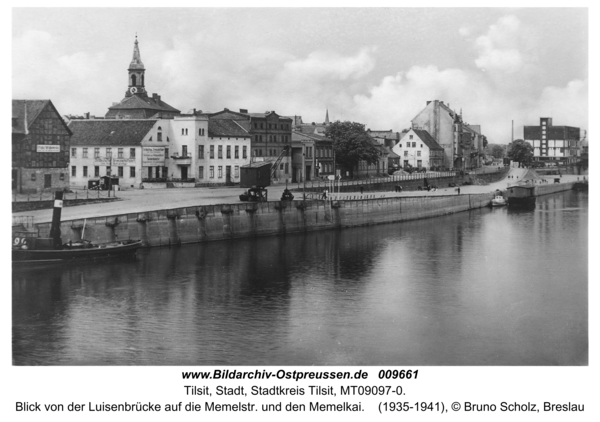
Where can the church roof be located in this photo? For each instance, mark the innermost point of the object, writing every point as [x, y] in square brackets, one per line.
[109, 132]
[143, 102]
[136, 61]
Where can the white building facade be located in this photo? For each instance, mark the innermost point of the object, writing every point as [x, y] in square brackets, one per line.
[418, 149]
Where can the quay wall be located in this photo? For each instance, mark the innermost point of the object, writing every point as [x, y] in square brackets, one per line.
[553, 188]
[230, 221]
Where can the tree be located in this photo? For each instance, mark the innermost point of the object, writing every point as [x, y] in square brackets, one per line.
[520, 151]
[485, 141]
[496, 150]
[352, 144]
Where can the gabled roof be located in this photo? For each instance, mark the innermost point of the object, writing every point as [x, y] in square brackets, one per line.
[136, 102]
[25, 112]
[109, 132]
[427, 139]
[226, 127]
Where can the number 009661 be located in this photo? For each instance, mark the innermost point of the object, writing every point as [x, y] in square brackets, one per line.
[395, 374]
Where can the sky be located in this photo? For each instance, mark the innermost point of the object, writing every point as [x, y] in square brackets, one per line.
[376, 66]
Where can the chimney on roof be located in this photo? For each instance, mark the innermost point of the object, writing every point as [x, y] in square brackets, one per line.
[428, 102]
[156, 97]
[225, 109]
[244, 110]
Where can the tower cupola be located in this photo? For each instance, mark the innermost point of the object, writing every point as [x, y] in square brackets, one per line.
[136, 73]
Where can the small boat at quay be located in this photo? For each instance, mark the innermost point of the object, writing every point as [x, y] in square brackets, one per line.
[498, 201]
[29, 249]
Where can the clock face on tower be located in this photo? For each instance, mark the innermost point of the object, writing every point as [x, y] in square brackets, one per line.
[133, 89]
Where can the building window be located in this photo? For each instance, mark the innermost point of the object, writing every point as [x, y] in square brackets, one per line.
[220, 151]
[244, 154]
[73, 152]
[228, 151]
[220, 172]
[73, 171]
[84, 153]
[120, 153]
[418, 153]
[414, 144]
[184, 151]
[237, 151]
[159, 134]
[96, 152]
[166, 152]
[421, 145]
[286, 168]
[131, 152]
[201, 172]
[237, 171]
[406, 153]
[108, 171]
[131, 171]
[211, 171]
[410, 136]
[120, 171]
[201, 152]
[108, 152]
[419, 163]
[96, 171]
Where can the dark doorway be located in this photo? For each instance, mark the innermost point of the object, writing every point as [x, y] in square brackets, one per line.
[47, 181]
[184, 172]
[228, 175]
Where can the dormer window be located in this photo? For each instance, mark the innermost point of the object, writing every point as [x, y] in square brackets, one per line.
[159, 134]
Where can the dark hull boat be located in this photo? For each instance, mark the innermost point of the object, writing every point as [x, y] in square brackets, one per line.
[30, 250]
[75, 252]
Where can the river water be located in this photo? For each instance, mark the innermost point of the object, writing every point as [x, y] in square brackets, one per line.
[486, 287]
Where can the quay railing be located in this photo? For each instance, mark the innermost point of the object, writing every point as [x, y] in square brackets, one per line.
[76, 195]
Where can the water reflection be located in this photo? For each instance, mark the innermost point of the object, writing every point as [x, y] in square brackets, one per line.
[488, 287]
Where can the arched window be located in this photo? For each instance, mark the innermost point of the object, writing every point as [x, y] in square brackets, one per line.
[133, 80]
[142, 80]
[159, 134]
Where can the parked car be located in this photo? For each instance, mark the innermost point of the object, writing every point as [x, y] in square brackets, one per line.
[254, 194]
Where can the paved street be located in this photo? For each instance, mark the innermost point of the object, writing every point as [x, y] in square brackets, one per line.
[155, 199]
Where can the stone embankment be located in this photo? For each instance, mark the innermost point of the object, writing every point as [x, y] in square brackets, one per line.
[231, 221]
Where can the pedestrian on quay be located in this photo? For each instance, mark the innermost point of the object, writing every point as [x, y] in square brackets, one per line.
[458, 190]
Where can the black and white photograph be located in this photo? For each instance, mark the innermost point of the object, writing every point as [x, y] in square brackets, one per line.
[259, 187]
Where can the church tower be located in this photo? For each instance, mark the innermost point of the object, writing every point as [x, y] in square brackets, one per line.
[136, 73]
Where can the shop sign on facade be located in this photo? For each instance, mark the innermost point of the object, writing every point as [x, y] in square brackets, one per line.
[153, 156]
[48, 148]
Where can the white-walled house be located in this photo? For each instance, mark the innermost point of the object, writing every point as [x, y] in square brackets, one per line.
[108, 147]
[417, 148]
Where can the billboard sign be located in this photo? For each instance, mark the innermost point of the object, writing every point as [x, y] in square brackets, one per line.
[153, 156]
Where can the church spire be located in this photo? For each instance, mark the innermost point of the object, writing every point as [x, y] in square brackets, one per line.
[136, 62]
[136, 73]
[327, 116]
